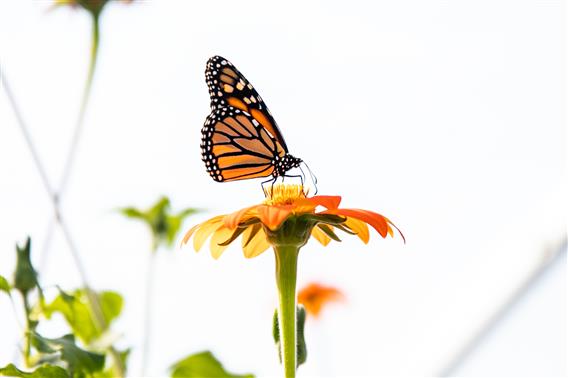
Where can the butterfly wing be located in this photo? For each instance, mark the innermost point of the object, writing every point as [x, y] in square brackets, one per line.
[228, 87]
[235, 146]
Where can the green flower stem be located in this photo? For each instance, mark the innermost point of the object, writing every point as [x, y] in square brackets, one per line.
[286, 271]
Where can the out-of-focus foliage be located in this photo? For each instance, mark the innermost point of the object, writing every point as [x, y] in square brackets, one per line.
[44, 371]
[79, 361]
[202, 364]
[162, 223]
[25, 277]
[94, 7]
[301, 348]
[110, 371]
[61, 357]
[75, 308]
[4, 285]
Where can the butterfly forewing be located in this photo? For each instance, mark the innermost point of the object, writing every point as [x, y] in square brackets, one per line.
[235, 146]
[228, 87]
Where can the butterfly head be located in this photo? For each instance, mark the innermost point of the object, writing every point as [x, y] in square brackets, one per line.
[284, 164]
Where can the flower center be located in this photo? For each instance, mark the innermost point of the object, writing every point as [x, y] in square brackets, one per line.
[283, 194]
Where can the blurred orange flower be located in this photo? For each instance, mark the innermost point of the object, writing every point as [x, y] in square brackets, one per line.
[285, 203]
[316, 296]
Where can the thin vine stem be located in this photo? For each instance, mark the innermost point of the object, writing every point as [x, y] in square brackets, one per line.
[77, 136]
[27, 332]
[55, 197]
[147, 335]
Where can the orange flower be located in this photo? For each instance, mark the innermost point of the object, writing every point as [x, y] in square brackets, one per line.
[286, 203]
[315, 296]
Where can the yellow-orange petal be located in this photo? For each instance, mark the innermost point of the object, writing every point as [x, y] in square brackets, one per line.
[273, 216]
[219, 236]
[377, 221]
[329, 202]
[258, 244]
[188, 234]
[232, 220]
[205, 230]
[320, 236]
[358, 227]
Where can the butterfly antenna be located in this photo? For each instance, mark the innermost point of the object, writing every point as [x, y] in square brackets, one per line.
[312, 177]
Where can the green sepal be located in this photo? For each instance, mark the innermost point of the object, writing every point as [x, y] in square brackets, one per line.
[331, 219]
[44, 371]
[301, 347]
[202, 364]
[344, 228]
[25, 277]
[328, 231]
[255, 229]
[232, 238]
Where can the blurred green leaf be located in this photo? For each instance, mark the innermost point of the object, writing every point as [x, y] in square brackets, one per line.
[4, 285]
[25, 277]
[79, 362]
[200, 365]
[110, 372]
[163, 225]
[131, 212]
[302, 351]
[301, 348]
[45, 371]
[76, 311]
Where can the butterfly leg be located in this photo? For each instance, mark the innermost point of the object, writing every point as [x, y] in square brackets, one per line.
[272, 181]
[293, 176]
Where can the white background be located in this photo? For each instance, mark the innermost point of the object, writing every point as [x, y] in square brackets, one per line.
[445, 116]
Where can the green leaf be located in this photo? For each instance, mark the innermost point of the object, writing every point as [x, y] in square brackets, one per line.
[4, 285]
[44, 371]
[200, 365]
[301, 348]
[76, 311]
[25, 277]
[79, 361]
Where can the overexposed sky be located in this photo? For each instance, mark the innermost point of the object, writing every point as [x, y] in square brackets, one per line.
[447, 117]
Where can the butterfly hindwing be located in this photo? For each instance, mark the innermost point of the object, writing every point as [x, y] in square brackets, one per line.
[235, 146]
[228, 87]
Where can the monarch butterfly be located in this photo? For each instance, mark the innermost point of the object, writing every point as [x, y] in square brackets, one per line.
[240, 139]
